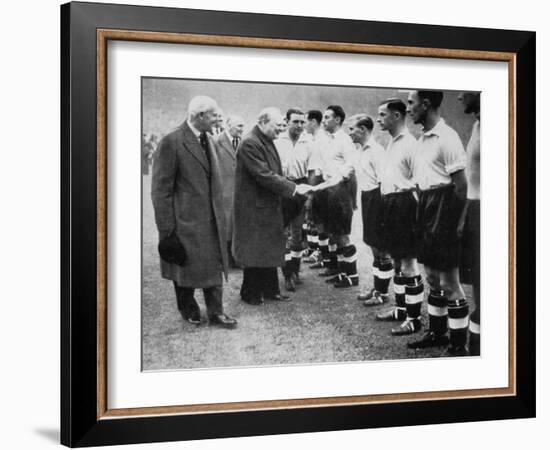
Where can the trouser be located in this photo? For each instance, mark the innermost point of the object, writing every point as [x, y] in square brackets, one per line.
[185, 297]
[258, 282]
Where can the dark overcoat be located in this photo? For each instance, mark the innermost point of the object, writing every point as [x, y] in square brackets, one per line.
[258, 235]
[187, 197]
[228, 162]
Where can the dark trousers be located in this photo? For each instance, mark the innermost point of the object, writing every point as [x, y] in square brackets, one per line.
[185, 297]
[258, 282]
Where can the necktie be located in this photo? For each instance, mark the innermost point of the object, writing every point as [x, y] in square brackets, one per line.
[235, 142]
[203, 139]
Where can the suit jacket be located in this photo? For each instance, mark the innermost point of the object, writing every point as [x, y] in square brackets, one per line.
[187, 197]
[258, 235]
[228, 162]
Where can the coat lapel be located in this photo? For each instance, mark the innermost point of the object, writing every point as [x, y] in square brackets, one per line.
[227, 146]
[217, 201]
[191, 144]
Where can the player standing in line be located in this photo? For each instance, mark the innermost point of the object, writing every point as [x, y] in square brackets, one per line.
[315, 130]
[470, 265]
[334, 200]
[439, 171]
[399, 217]
[370, 163]
[294, 150]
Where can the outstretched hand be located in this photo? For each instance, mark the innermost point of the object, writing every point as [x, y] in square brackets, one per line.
[303, 189]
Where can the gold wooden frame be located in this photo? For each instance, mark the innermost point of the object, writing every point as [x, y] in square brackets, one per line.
[103, 36]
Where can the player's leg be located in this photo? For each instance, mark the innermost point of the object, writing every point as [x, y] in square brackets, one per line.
[414, 295]
[458, 310]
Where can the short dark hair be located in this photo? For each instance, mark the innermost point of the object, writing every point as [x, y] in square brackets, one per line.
[435, 97]
[395, 105]
[338, 112]
[291, 111]
[315, 114]
[364, 121]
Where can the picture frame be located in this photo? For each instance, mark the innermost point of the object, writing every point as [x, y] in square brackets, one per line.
[86, 28]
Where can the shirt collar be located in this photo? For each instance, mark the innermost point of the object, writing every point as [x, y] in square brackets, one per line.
[436, 130]
[370, 143]
[196, 132]
[304, 137]
[337, 133]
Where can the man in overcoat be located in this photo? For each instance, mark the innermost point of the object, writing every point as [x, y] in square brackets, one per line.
[258, 237]
[226, 147]
[187, 198]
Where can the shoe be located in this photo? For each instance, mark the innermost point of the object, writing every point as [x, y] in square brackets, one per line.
[193, 317]
[430, 339]
[317, 265]
[393, 315]
[252, 300]
[334, 279]
[223, 321]
[289, 284]
[329, 272]
[365, 295]
[377, 299]
[457, 350]
[409, 326]
[278, 298]
[313, 257]
[347, 281]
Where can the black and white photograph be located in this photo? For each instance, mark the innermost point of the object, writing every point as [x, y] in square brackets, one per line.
[291, 224]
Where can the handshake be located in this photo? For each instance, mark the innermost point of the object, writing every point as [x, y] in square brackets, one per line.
[304, 189]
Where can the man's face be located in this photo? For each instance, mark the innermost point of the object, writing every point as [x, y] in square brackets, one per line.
[357, 134]
[386, 118]
[296, 124]
[206, 120]
[416, 108]
[236, 129]
[274, 126]
[330, 121]
[470, 102]
[219, 120]
[311, 126]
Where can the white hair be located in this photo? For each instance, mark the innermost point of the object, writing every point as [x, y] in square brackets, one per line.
[234, 119]
[200, 104]
[268, 114]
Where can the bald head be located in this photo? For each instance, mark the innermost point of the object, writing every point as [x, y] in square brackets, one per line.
[271, 122]
[235, 125]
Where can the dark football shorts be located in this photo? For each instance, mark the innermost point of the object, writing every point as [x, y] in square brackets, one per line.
[292, 207]
[439, 239]
[399, 224]
[372, 210]
[333, 207]
[470, 258]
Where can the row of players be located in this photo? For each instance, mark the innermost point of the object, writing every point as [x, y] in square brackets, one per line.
[420, 204]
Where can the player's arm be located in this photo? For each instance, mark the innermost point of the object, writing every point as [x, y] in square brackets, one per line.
[348, 168]
[332, 181]
[454, 159]
[461, 184]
